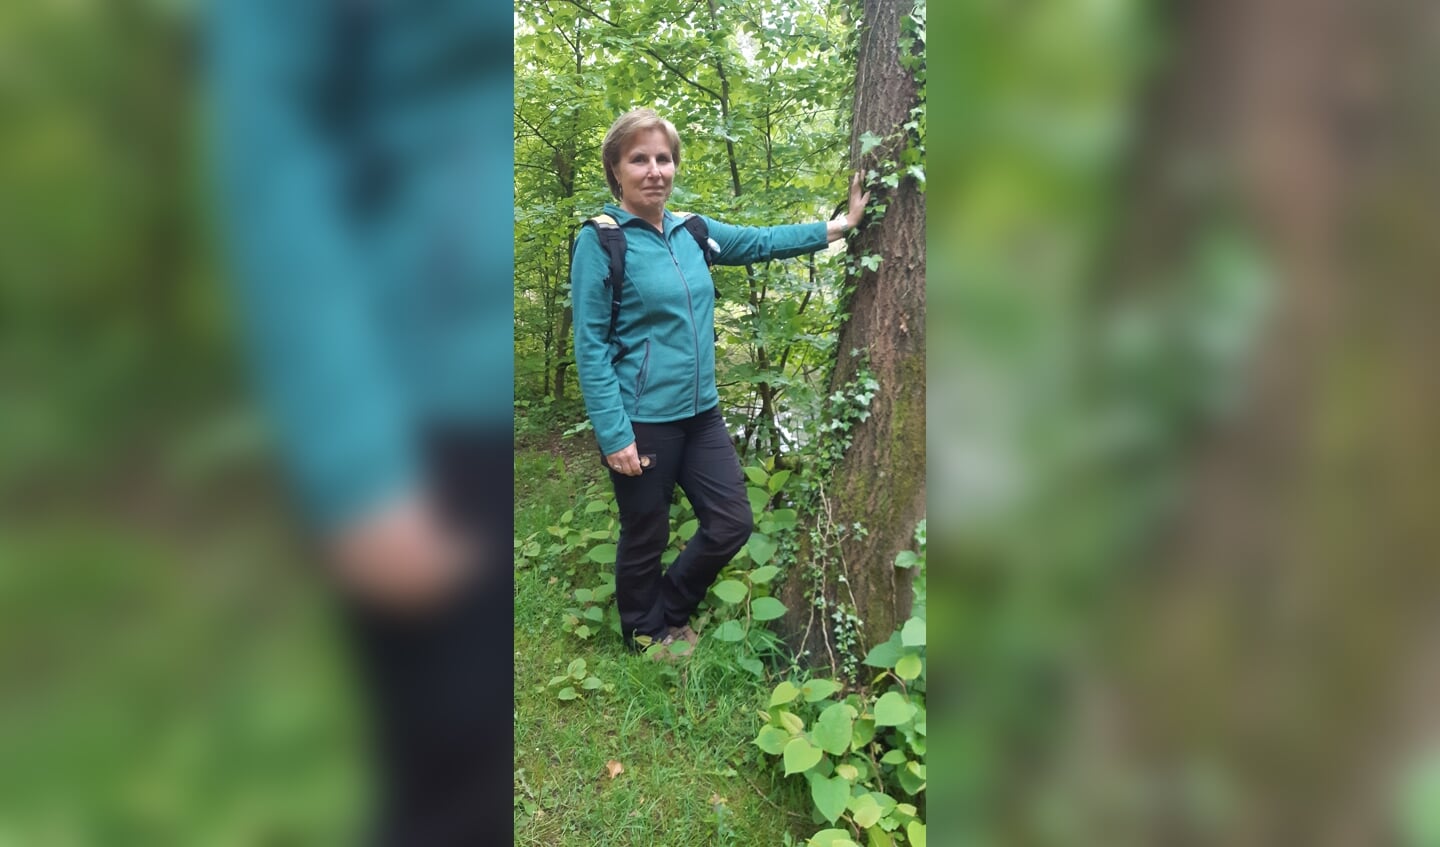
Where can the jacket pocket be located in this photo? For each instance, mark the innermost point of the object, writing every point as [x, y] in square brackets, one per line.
[643, 374]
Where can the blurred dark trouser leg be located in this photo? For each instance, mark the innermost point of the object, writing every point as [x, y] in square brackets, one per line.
[440, 687]
[644, 503]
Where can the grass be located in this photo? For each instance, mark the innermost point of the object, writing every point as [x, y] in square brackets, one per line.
[681, 732]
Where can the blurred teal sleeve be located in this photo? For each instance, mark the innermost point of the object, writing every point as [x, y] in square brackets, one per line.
[302, 283]
[590, 300]
[743, 245]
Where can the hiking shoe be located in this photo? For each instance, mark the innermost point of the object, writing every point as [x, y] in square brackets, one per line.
[685, 633]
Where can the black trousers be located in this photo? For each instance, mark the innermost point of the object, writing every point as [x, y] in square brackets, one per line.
[697, 454]
[440, 687]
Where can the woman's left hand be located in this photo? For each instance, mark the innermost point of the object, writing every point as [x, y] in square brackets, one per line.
[858, 199]
[836, 229]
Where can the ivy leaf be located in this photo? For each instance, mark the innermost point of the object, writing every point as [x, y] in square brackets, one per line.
[893, 709]
[913, 633]
[766, 609]
[869, 141]
[772, 740]
[801, 755]
[906, 559]
[829, 795]
[731, 591]
[784, 693]
[832, 730]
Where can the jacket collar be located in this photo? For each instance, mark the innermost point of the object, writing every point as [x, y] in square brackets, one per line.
[624, 218]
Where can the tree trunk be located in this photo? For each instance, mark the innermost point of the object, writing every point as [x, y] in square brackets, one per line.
[880, 483]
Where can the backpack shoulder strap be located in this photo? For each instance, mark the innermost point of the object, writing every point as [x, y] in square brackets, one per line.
[700, 231]
[612, 241]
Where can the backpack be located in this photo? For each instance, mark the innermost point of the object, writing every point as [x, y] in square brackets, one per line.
[612, 241]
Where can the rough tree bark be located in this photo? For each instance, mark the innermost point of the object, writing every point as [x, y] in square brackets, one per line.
[880, 484]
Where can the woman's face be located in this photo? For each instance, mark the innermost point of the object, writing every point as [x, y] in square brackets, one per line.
[646, 171]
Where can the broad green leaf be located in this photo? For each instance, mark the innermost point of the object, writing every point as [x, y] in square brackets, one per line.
[568, 693]
[908, 667]
[576, 669]
[584, 595]
[778, 480]
[792, 722]
[832, 729]
[595, 613]
[849, 772]
[869, 141]
[913, 633]
[866, 811]
[772, 740]
[912, 778]
[729, 631]
[761, 548]
[893, 757]
[864, 733]
[916, 831]
[784, 693]
[594, 506]
[766, 608]
[687, 529]
[831, 838]
[784, 518]
[801, 755]
[760, 576]
[892, 709]
[603, 554]
[818, 689]
[906, 559]
[731, 591]
[885, 655]
[755, 475]
[591, 683]
[879, 837]
[754, 666]
[829, 795]
[758, 498]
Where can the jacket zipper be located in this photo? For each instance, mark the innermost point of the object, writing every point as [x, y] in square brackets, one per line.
[694, 332]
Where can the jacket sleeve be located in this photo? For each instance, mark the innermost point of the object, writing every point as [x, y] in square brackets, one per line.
[297, 270]
[590, 301]
[743, 245]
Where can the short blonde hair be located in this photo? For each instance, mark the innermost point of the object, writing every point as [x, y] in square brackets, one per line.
[627, 126]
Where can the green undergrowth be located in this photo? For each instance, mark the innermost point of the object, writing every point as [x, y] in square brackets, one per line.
[682, 733]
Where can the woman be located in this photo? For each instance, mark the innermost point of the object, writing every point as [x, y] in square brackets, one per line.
[647, 370]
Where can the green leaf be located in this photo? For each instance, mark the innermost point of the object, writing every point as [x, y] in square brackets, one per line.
[758, 498]
[595, 613]
[892, 709]
[568, 693]
[755, 475]
[885, 655]
[819, 689]
[761, 548]
[864, 733]
[792, 722]
[908, 667]
[832, 730]
[906, 559]
[879, 837]
[772, 740]
[913, 633]
[869, 141]
[916, 831]
[760, 576]
[584, 595]
[754, 666]
[801, 755]
[829, 795]
[849, 772]
[784, 518]
[731, 591]
[594, 506]
[603, 554]
[784, 693]
[831, 838]
[866, 811]
[730, 631]
[766, 608]
[778, 480]
[591, 683]
[687, 529]
[912, 777]
[576, 669]
[893, 757]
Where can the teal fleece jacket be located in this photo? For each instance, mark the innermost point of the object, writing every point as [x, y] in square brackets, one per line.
[360, 152]
[667, 318]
